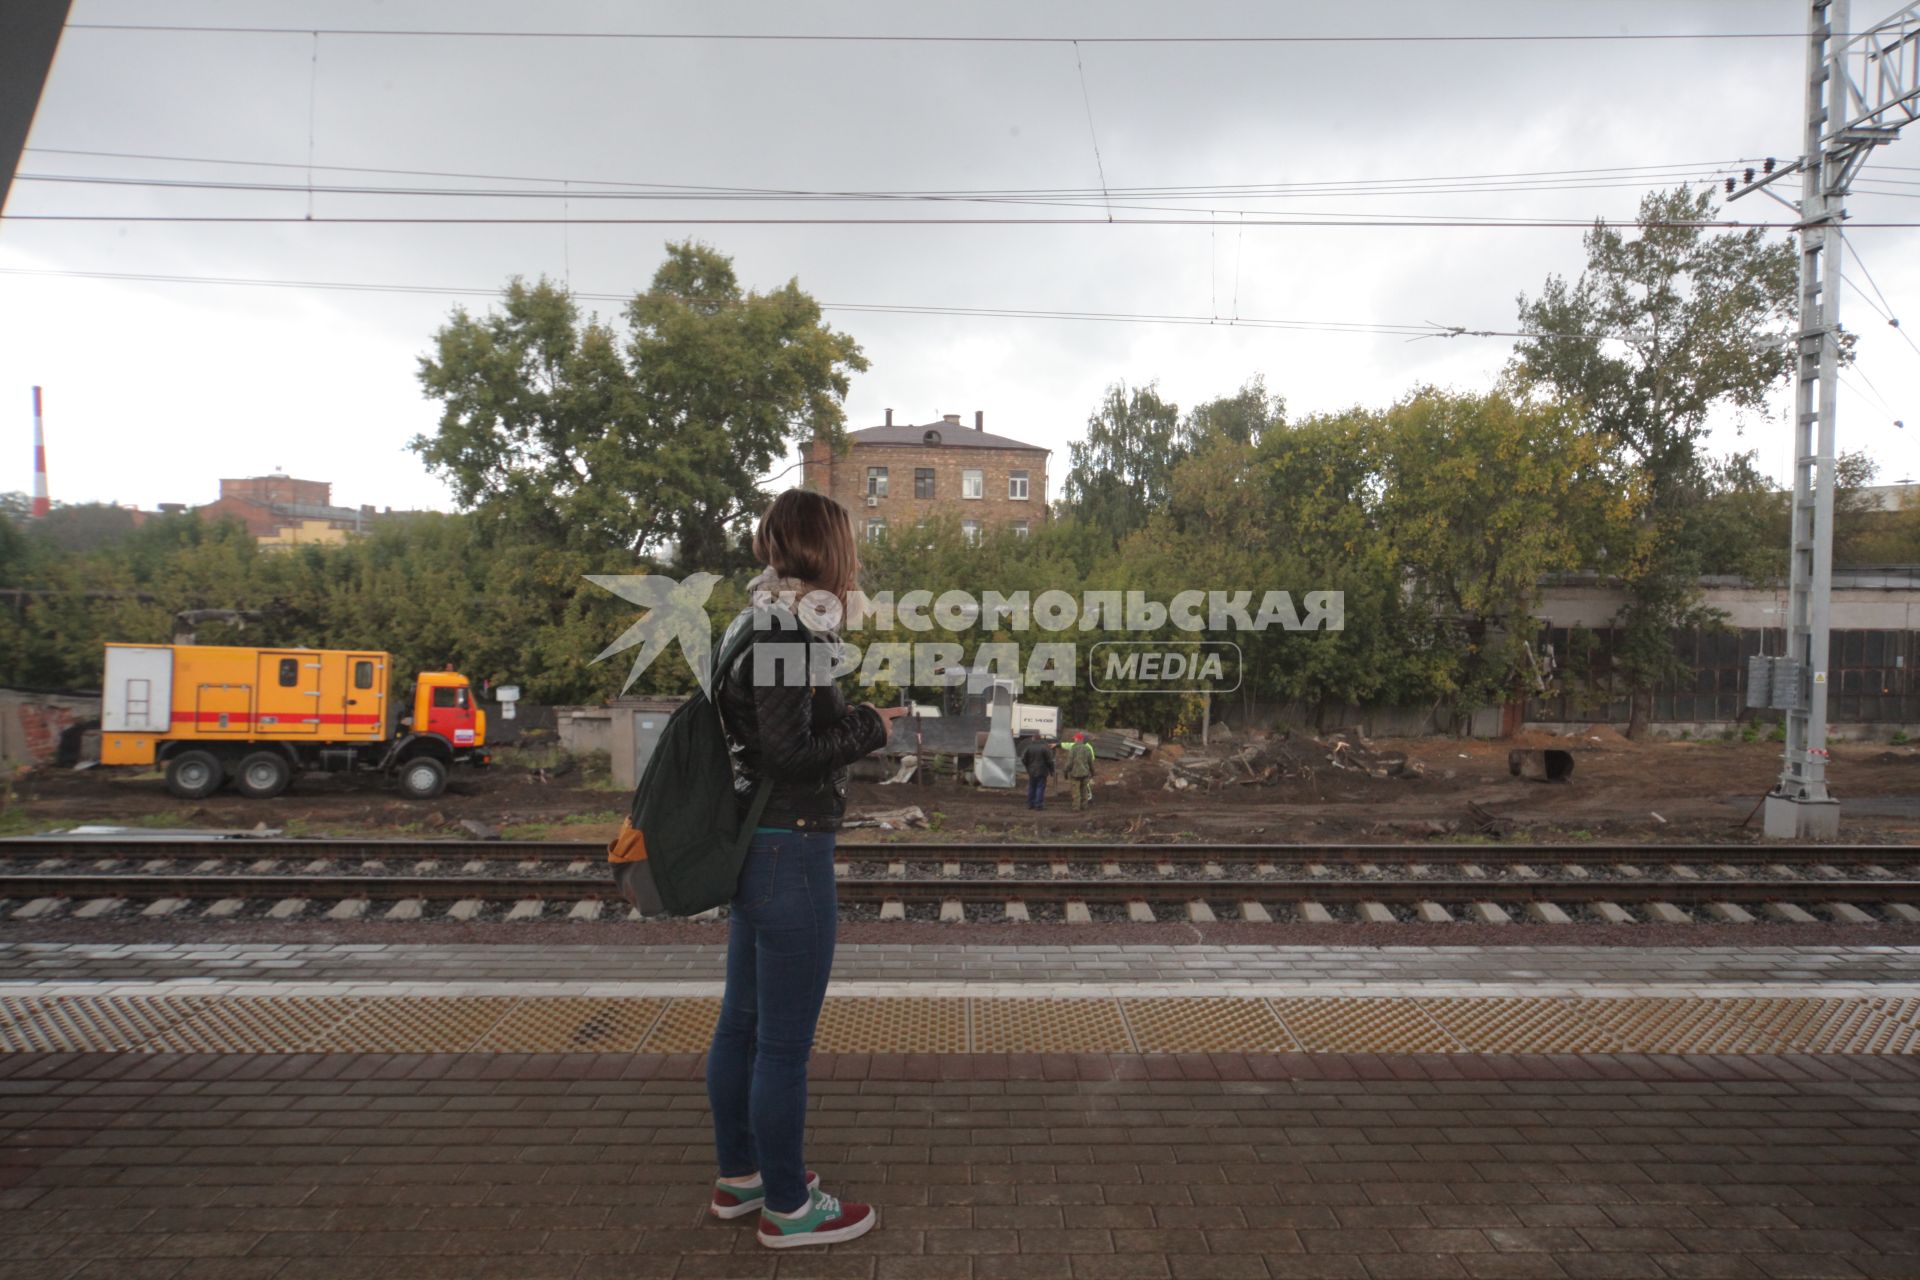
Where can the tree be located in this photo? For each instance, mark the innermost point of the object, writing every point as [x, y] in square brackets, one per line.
[1242, 417]
[1481, 496]
[558, 432]
[1123, 471]
[1663, 328]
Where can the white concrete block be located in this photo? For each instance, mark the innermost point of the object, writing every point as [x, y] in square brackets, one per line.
[474, 867]
[465, 909]
[348, 909]
[93, 908]
[587, 909]
[286, 908]
[207, 866]
[1109, 868]
[1473, 871]
[527, 909]
[951, 870]
[1575, 871]
[1433, 913]
[1418, 869]
[430, 864]
[263, 866]
[44, 906]
[1684, 871]
[1017, 911]
[1522, 871]
[952, 911]
[1077, 913]
[1902, 912]
[406, 909]
[1213, 870]
[162, 907]
[1163, 868]
[1140, 913]
[1375, 913]
[1612, 913]
[1059, 870]
[1728, 913]
[1491, 913]
[1318, 869]
[1255, 912]
[317, 866]
[1200, 913]
[1846, 913]
[1314, 913]
[1547, 913]
[1666, 913]
[893, 909]
[1005, 870]
[1628, 869]
[896, 868]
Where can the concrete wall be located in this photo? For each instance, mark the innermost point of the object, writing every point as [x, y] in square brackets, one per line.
[31, 724]
[1894, 607]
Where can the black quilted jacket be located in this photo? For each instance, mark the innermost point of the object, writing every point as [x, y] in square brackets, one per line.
[801, 736]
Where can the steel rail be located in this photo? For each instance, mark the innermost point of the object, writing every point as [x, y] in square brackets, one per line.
[134, 849]
[17, 887]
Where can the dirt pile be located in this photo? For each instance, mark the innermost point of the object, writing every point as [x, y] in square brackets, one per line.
[1286, 757]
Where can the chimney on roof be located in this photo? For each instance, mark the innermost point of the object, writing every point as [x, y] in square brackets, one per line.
[889, 417]
[979, 419]
[952, 418]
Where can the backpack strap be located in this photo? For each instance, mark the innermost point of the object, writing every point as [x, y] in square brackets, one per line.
[764, 791]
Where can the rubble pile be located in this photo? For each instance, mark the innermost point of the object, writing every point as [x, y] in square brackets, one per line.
[1287, 757]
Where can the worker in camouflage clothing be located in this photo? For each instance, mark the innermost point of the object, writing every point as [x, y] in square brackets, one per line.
[1079, 771]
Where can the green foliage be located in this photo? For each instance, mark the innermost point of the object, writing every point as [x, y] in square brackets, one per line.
[564, 436]
[1662, 328]
[1121, 473]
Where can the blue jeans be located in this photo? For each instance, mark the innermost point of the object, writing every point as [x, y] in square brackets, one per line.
[779, 952]
[1037, 792]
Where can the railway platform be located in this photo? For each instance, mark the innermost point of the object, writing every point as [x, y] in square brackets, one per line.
[1093, 1111]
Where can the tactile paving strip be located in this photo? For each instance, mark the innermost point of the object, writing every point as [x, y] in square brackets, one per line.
[99, 1024]
[573, 1026]
[1519, 1025]
[1363, 1024]
[685, 1027]
[203, 1023]
[441, 1024]
[1049, 1026]
[255, 1024]
[1679, 1025]
[1207, 1024]
[865, 1024]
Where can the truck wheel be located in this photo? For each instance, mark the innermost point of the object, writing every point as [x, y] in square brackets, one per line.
[263, 775]
[423, 778]
[194, 775]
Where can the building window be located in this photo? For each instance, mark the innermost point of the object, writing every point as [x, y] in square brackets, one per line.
[363, 675]
[450, 696]
[923, 482]
[970, 529]
[1017, 486]
[1019, 528]
[973, 484]
[876, 529]
[876, 482]
[289, 672]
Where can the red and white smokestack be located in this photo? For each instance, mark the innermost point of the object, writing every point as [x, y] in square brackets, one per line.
[42, 504]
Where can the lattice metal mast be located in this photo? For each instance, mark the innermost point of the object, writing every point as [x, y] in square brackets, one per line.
[1860, 90]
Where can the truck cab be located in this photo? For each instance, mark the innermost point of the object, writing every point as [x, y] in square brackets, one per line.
[443, 704]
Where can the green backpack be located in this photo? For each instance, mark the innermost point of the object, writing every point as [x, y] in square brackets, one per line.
[681, 848]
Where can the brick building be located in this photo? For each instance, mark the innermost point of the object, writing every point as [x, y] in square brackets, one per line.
[280, 511]
[894, 476]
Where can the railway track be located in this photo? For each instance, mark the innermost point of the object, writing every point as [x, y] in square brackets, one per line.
[1072, 882]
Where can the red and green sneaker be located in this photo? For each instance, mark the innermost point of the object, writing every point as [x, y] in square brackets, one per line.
[824, 1221]
[738, 1202]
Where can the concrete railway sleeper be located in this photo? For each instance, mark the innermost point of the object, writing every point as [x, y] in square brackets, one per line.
[1564, 901]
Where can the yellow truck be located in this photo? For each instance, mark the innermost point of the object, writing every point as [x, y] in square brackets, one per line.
[210, 714]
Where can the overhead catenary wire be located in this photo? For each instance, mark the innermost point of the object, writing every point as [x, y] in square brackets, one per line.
[1422, 329]
[1387, 221]
[1621, 176]
[1885, 308]
[1458, 37]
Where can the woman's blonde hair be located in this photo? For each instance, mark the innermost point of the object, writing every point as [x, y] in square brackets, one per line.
[809, 536]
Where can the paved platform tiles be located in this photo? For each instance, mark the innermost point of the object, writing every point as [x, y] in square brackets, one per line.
[1054, 1167]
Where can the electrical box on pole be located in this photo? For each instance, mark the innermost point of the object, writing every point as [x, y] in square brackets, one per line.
[1860, 90]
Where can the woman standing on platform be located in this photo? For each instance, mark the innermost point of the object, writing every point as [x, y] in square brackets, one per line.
[786, 723]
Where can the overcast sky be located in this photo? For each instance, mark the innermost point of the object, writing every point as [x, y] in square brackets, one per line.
[155, 390]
